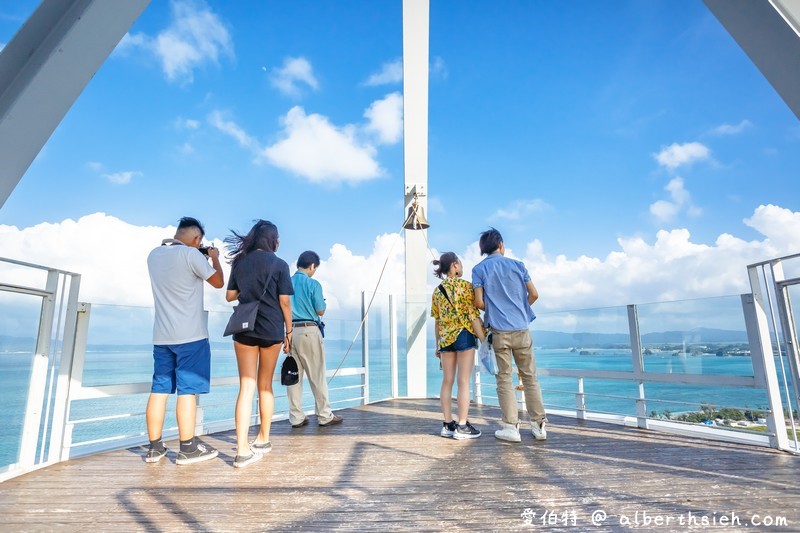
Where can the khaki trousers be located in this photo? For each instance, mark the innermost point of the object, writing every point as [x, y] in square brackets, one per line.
[520, 345]
[309, 351]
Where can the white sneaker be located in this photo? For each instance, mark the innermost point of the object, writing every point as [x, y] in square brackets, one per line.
[509, 432]
[539, 430]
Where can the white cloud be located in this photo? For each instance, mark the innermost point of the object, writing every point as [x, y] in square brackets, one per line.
[676, 155]
[186, 123]
[122, 178]
[438, 69]
[673, 267]
[314, 148]
[385, 118]
[95, 166]
[186, 149]
[389, 73]
[232, 129]
[295, 70]
[520, 209]
[731, 129]
[664, 210]
[195, 36]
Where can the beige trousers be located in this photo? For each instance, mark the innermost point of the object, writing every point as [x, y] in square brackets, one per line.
[309, 351]
[520, 345]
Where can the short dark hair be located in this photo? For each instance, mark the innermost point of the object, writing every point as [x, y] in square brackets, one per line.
[307, 259]
[490, 241]
[444, 263]
[189, 222]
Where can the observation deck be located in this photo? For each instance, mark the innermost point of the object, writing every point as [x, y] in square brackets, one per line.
[387, 469]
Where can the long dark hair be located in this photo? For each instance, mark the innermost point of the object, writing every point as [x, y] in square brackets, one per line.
[262, 236]
[444, 263]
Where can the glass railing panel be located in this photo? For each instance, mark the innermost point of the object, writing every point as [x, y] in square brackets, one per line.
[588, 338]
[19, 326]
[119, 345]
[703, 336]
[380, 372]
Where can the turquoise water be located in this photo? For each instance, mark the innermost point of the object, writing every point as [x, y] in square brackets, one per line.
[130, 366]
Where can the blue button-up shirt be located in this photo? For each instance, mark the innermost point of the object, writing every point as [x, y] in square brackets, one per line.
[307, 299]
[504, 292]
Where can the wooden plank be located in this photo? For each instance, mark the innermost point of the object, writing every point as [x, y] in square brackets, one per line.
[386, 468]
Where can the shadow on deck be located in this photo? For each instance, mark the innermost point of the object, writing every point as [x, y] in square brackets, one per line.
[385, 468]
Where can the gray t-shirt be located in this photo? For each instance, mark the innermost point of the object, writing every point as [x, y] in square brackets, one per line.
[177, 275]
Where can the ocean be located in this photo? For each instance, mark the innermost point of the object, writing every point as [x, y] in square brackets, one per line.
[106, 366]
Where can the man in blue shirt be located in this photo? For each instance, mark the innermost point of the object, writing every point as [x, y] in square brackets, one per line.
[308, 349]
[504, 290]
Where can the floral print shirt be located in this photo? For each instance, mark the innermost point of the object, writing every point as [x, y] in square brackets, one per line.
[457, 314]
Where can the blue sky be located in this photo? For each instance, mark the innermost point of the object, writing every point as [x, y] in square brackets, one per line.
[588, 133]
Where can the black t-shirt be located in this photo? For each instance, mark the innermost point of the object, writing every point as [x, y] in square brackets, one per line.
[248, 276]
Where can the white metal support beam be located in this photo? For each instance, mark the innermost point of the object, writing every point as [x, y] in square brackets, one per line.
[416, 14]
[45, 68]
[769, 33]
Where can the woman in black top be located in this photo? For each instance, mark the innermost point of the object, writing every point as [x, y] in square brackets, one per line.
[257, 274]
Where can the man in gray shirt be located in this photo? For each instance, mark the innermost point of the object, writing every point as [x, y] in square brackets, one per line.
[181, 352]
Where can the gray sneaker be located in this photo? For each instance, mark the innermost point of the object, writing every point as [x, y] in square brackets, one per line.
[203, 452]
[261, 447]
[243, 460]
[467, 431]
[154, 455]
[448, 428]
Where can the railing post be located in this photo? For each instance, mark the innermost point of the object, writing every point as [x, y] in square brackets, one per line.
[638, 365]
[76, 375]
[393, 365]
[33, 411]
[61, 403]
[477, 392]
[758, 335]
[580, 402]
[365, 349]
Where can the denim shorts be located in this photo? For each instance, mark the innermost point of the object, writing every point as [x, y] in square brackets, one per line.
[182, 367]
[464, 341]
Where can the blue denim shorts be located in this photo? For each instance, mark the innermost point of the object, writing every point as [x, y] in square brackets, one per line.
[464, 341]
[182, 367]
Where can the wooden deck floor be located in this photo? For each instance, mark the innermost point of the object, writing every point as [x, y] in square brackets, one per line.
[386, 469]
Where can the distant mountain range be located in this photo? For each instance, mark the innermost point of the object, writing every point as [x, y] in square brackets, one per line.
[544, 339]
[558, 339]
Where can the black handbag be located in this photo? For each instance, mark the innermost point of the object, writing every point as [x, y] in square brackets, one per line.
[244, 316]
[290, 374]
[243, 319]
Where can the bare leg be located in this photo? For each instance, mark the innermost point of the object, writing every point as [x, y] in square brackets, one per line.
[186, 413]
[448, 377]
[247, 360]
[155, 413]
[268, 358]
[465, 361]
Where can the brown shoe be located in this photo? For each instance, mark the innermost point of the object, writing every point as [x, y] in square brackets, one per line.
[335, 420]
[301, 424]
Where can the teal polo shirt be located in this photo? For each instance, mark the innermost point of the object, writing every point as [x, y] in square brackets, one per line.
[307, 299]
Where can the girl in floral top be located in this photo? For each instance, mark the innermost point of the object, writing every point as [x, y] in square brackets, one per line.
[457, 324]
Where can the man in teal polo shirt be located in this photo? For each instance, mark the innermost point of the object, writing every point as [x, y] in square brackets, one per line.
[308, 348]
[503, 288]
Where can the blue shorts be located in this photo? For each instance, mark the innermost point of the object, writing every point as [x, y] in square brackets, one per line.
[182, 367]
[464, 341]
